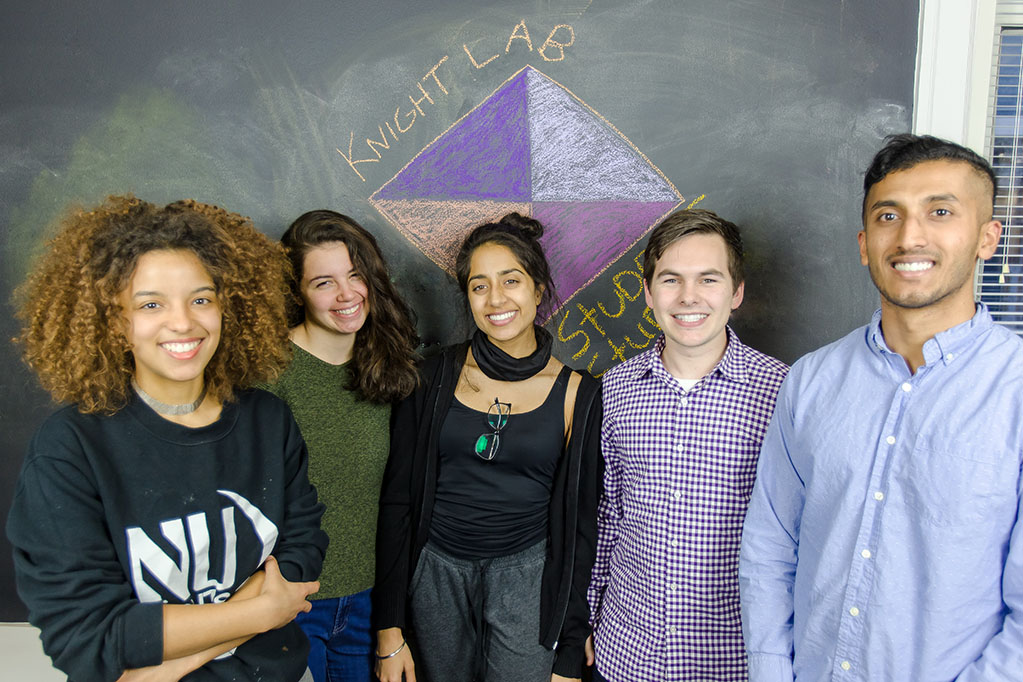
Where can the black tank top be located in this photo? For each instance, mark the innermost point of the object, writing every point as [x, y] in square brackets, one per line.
[495, 508]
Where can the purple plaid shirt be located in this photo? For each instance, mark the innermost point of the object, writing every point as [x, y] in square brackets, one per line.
[679, 471]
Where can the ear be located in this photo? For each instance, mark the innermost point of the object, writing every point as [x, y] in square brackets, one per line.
[861, 237]
[538, 293]
[646, 295]
[990, 233]
[737, 296]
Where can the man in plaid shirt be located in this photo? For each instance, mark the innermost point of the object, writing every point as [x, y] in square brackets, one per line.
[683, 424]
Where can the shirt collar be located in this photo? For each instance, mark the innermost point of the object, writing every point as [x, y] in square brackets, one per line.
[945, 345]
[732, 364]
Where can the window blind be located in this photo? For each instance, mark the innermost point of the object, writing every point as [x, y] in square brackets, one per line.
[1000, 279]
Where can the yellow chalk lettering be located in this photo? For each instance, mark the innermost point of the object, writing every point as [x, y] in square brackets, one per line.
[411, 115]
[697, 200]
[621, 306]
[629, 341]
[474, 62]
[619, 351]
[433, 73]
[424, 98]
[515, 36]
[644, 332]
[648, 316]
[551, 42]
[354, 162]
[387, 123]
[591, 317]
[382, 142]
[625, 292]
[566, 339]
[593, 360]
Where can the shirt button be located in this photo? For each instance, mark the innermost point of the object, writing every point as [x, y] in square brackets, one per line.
[677, 494]
[672, 587]
[673, 542]
[865, 554]
[854, 611]
[684, 402]
[890, 440]
[879, 496]
[950, 356]
[671, 628]
[846, 665]
[906, 387]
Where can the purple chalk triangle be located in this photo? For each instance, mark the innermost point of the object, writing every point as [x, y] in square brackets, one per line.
[484, 155]
[582, 238]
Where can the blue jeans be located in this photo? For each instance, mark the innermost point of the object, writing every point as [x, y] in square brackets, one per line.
[340, 640]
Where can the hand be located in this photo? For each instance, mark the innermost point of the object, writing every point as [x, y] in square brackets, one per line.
[558, 678]
[590, 655]
[283, 600]
[394, 668]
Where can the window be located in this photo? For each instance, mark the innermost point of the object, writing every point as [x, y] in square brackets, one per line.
[1000, 279]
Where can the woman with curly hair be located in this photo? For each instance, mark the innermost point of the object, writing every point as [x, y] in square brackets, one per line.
[163, 523]
[488, 514]
[353, 344]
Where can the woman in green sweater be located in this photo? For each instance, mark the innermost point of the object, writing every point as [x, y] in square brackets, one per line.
[354, 341]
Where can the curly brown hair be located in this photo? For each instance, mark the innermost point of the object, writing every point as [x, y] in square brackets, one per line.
[73, 333]
[384, 357]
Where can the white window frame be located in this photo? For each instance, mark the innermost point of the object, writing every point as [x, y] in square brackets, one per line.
[955, 48]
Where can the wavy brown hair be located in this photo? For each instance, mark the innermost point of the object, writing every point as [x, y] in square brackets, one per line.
[384, 357]
[73, 333]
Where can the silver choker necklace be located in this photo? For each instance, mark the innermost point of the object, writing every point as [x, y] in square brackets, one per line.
[164, 408]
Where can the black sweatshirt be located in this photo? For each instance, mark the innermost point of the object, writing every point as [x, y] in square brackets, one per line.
[407, 499]
[115, 515]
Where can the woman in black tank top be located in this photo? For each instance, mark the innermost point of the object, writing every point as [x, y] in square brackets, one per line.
[488, 513]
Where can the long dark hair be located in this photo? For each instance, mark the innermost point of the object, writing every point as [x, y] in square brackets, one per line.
[383, 365]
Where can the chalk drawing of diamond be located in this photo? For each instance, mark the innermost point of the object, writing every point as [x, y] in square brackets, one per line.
[533, 147]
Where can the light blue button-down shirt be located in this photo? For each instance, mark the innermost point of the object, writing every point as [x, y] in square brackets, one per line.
[883, 539]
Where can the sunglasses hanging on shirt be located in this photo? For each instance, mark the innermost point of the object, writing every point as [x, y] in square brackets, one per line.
[497, 418]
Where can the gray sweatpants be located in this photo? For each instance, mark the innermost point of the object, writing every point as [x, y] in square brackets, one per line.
[478, 620]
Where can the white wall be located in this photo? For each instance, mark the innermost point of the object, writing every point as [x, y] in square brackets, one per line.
[22, 658]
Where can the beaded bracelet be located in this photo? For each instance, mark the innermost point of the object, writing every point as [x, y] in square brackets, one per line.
[393, 653]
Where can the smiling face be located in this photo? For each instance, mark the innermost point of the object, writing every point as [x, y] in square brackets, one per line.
[692, 295]
[172, 323]
[923, 230]
[503, 299]
[334, 294]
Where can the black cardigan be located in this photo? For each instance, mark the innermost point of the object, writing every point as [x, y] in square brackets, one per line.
[407, 498]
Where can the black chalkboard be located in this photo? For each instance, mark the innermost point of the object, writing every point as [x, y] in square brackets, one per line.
[421, 118]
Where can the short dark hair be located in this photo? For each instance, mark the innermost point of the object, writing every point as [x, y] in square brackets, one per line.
[901, 152]
[521, 236]
[694, 221]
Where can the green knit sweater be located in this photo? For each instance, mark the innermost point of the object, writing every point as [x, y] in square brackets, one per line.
[348, 439]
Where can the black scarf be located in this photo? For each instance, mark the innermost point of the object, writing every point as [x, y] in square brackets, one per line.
[500, 366]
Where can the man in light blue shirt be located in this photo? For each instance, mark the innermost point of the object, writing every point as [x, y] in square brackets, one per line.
[883, 539]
